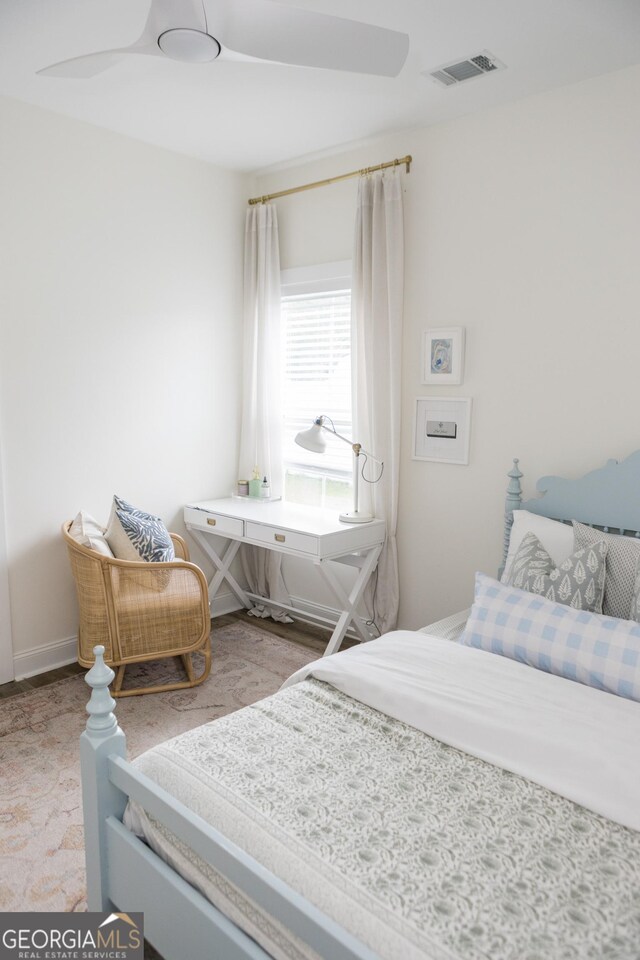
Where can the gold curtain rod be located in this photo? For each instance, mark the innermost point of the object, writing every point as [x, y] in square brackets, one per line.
[344, 176]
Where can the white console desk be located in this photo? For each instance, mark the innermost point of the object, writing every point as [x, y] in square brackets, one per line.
[298, 531]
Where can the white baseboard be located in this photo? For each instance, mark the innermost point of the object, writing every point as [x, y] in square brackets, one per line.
[224, 603]
[228, 603]
[49, 656]
[59, 653]
[319, 609]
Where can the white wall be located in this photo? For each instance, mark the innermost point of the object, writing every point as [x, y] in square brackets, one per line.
[120, 295]
[522, 224]
[6, 645]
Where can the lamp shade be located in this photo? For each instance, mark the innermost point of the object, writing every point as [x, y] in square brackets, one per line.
[312, 439]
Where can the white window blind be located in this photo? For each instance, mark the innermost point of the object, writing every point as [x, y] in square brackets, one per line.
[316, 371]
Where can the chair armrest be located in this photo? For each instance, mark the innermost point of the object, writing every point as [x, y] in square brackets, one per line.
[180, 547]
[159, 609]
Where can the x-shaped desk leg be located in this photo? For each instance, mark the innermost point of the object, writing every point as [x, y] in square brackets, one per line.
[222, 564]
[349, 602]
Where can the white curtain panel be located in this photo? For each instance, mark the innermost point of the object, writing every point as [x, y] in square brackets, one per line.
[261, 433]
[261, 442]
[377, 308]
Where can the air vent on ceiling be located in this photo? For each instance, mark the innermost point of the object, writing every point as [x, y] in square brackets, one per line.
[453, 73]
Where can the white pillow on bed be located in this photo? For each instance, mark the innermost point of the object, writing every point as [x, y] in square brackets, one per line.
[555, 537]
[599, 651]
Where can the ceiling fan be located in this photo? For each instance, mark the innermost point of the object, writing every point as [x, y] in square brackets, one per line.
[251, 30]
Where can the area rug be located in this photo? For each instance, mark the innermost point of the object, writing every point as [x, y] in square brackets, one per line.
[41, 836]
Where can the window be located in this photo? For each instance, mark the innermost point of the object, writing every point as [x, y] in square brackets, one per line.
[316, 377]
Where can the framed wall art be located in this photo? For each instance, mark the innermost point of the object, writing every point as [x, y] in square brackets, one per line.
[443, 355]
[441, 429]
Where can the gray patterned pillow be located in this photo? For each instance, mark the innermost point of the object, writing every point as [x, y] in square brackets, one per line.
[622, 557]
[531, 557]
[635, 603]
[578, 582]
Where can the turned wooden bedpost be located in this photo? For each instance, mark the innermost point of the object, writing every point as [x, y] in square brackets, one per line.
[513, 502]
[101, 739]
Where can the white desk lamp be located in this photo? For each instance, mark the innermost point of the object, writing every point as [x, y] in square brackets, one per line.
[314, 439]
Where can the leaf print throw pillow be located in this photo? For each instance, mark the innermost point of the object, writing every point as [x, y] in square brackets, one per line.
[133, 534]
[578, 582]
[531, 557]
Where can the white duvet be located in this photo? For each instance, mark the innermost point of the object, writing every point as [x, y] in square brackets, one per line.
[581, 743]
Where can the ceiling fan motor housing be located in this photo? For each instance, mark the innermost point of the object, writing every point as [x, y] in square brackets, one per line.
[188, 45]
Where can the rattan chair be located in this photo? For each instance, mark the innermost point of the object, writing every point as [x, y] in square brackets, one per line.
[141, 611]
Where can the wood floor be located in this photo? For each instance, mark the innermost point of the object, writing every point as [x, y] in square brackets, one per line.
[41, 680]
[315, 638]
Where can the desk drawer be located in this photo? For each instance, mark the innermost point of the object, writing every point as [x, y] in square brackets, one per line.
[300, 542]
[214, 522]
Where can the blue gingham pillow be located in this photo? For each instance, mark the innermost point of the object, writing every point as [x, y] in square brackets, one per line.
[598, 651]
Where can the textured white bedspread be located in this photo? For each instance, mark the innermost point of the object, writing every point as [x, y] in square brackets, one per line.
[581, 743]
[418, 848]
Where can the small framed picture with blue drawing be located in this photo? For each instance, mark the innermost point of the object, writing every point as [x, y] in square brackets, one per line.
[443, 355]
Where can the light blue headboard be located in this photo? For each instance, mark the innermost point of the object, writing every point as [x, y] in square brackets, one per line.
[608, 498]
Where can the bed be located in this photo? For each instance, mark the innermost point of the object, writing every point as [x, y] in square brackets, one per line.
[413, 797]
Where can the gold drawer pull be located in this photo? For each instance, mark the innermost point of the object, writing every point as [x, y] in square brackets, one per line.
[280, 537]
[211, 521]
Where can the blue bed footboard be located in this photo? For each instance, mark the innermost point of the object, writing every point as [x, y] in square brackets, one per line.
[125, 874]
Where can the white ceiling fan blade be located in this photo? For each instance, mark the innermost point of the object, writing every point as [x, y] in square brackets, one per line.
[82, 68]
[266, 30]
[163, 15]
[235, 57]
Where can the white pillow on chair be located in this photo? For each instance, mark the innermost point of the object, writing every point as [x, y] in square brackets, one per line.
[88, 533]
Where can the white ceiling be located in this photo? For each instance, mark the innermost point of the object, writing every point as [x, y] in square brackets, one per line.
[251, 116]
